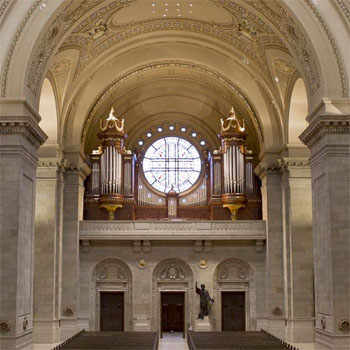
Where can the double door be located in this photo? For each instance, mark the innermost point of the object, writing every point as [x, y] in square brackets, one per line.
[233, 311]
[111, 311]
[172, 311]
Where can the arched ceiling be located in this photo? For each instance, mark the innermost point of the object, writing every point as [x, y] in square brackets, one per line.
[154, 59]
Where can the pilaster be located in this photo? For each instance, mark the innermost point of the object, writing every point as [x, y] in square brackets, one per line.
[48, 250]
[328, 139]
[73, 200]
[272, 212]
[20, 137]
[297, 249]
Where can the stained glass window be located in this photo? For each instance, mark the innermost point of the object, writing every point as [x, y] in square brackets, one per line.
[172, 161]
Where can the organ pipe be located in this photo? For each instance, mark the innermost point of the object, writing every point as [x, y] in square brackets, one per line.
[233, 137]
[112, 150]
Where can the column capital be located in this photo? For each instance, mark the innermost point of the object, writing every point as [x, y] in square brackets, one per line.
[78, 168]
[298, 167]
[325, 124]
[263, 169]
[25, 126]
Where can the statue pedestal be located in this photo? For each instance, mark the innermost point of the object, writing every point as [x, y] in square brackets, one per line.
[203, 325]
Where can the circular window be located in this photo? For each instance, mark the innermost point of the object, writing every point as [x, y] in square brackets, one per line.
[172, 161]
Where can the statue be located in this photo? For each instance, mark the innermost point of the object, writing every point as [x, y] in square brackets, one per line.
[206, 301]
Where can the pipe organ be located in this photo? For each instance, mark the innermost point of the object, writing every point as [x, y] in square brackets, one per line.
[226, 179]
[233, 137]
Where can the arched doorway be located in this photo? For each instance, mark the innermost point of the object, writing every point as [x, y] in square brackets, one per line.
[234, 277]
[172, 276]
[111, 282]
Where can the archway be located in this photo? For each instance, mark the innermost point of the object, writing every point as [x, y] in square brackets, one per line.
[298, 110]
[111, 275]
[172, 275]
[235, 275]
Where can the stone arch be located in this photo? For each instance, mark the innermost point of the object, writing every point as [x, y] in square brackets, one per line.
[172, 275]
[48, 110]
[297, 112]
[235, 274]
[111, 274]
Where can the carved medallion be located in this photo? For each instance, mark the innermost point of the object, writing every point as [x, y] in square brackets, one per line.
[172, 272]
[61, 66]
[283, 66]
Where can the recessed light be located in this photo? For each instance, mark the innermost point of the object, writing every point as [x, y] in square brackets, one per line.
[140, 142]
[164, 15]
[202, 143]
[178, 15]
[183, 129]
[153, 11]
[166, 9]
[190, 4]
[160, 129]
[276, 79]
[171, 127]
[149, 134]
[194, 134]
[153, 4]
[190, 11]
[177, 10]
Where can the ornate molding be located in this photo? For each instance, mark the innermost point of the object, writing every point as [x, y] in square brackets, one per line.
[183, 230]
[344, 8]
[82, 168]
[53, 163]
[290, 162]
[11, 50]
[325, 124]
[165, 64]
[341, 69]
[25, 127]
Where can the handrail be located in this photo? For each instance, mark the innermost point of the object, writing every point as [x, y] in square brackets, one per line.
[60, 346]
[288, 346]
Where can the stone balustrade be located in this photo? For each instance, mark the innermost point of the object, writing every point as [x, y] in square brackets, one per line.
[172, 230]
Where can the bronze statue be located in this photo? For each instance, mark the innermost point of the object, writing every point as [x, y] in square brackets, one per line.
[206, 301]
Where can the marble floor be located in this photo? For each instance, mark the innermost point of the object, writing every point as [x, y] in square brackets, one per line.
[172, 341]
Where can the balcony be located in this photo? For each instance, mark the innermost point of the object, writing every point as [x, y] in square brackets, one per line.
[173, 230]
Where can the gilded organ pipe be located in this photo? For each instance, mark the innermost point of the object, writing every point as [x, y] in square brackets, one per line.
[233, 137]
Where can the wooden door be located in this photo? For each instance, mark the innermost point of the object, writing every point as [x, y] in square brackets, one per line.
[172, 311]
[233, 311]
[112, 311]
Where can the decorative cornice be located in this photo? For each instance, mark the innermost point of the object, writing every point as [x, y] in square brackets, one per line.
[266, 168]
[292, 162]
[53, 163]
[325, 124]
[26, 127]
[82, 168]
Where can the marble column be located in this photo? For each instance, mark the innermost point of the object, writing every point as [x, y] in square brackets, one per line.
[327, 137]
[272, 213]
[20, 138]
[48, 250]
[73, 201]
[297, 249]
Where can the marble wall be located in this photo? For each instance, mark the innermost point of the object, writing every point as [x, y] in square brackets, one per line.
[145, 275]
